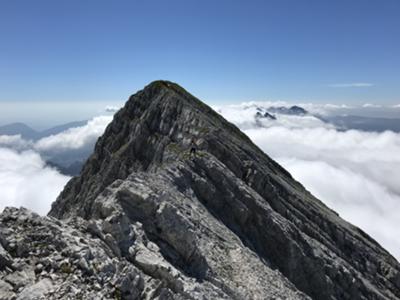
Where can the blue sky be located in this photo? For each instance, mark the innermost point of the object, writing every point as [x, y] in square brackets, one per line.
[344, 51]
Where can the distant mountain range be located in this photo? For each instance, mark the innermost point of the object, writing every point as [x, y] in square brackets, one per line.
[342, 122]
[293, 110]
[364, 123]
[29, 133]
[271, 111]
[67, 163]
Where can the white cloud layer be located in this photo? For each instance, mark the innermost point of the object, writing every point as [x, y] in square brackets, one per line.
[371, 105]
[15, 142]
[243, 116]
[355, 173]
[358, 198]
[26, 181]
[75, 138]
[247, 108]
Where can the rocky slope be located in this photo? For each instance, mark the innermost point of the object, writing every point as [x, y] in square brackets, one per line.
[157, 224]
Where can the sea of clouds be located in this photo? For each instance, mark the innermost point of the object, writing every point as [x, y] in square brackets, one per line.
[25, 179]
[356, 173]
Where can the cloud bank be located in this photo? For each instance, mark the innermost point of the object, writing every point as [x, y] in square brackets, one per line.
[353, 172]
[359, 199]
[74, 138]
[15, 142]
[26, 181]
[371, 105]
[243, 116]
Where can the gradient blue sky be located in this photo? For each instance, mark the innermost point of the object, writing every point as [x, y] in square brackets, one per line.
[220, 50]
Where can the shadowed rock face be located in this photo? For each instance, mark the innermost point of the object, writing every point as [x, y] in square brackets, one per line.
[229, 223]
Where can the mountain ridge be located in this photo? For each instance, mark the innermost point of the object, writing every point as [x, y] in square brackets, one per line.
[229, 223]
[162, 87]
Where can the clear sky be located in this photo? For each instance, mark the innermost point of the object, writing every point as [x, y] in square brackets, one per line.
[221, 50]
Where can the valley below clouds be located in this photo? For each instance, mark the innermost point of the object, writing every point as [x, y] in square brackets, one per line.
[353, 172]
[26, 177]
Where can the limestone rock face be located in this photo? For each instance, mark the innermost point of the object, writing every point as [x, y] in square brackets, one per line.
[145, 220]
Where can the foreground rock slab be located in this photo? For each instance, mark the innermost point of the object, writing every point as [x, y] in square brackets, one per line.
[50, 259]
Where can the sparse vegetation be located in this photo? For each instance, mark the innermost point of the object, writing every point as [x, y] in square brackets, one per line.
[66, 268]
[117, 294]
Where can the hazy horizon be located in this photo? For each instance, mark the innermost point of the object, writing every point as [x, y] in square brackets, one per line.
[43, 115]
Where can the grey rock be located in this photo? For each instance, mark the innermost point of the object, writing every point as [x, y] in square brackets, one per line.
[20, 278]
[36, 291]
[5, 258]
[229, 223]
[6, 291]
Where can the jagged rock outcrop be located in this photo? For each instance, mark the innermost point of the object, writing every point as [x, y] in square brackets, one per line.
[293, 110]
[227, 224]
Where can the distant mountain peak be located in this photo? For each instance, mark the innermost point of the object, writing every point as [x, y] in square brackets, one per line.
[19, 128]
[27, 132]
[292, 110]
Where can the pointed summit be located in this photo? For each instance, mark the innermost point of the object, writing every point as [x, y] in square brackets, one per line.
[154, 128]
[230, 219]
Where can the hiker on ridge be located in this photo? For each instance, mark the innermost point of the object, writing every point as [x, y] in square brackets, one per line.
[193, 148]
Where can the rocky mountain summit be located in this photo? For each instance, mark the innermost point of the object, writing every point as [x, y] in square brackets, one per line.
[145, 220]
[293, 110]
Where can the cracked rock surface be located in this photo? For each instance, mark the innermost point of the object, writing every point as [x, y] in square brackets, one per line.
[144, 220]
